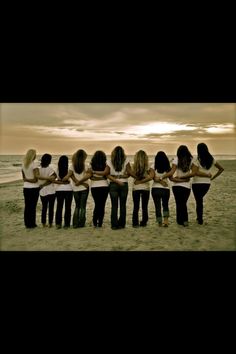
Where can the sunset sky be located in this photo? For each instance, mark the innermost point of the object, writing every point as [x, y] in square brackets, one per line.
[63, 128]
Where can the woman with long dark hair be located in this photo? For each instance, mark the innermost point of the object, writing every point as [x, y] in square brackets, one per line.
[202, 180]
[99, 186]
[78, 172]
[64, 193]
[47, 189]
[182, 170]
[30, 174]
[161, 187]
[119, 171]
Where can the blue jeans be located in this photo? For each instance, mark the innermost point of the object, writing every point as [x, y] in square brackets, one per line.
[161, 195]
[118, 194]
[79, 216]
[63, 197]
[137, 195]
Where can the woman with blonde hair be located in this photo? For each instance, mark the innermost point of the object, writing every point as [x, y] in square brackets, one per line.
[30, 174]
[78, 171]
[141, 187]
[119, 171]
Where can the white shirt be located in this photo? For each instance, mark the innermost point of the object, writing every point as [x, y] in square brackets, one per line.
[141, 186]
[180, 173]
[100, 183]
[79, 176]
[113, 172]
[49, 189]
[199, 179]
[62, 187]
[160, 175]
[30, 174]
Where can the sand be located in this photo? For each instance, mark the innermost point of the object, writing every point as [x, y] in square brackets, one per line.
[218, 233]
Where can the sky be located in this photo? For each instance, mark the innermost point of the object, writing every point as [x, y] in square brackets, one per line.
[63, 128]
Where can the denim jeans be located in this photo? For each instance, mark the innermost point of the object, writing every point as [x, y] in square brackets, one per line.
[31, 196]
[47, 204]
[181, 195]
[118, 194]
[79, 216]
[64, 197]
[144, 196]
[161, 196]
[199, 191]
[99, 196]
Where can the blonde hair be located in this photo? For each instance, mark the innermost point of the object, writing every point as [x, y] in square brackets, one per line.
[140, 166]
[29, 157]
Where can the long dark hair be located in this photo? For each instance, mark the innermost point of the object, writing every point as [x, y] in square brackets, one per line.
[118, 158]
[46, 160]
[184, 158]
[78, 160]
[162, 163]
[204, 157]
[98, 161]
[63, 166]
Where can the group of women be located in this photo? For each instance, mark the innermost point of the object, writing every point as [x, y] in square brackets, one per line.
[110, 176]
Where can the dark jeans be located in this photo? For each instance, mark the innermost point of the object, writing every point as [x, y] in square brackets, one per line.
[31, 196]
[63, 197]
[47, 203]
[181, 195]
[199, 191]
[99, 196]
[137, 195]
[161, 196]
[79, 216]
[118, 193]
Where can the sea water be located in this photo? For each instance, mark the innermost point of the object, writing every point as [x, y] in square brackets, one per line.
[10, 165]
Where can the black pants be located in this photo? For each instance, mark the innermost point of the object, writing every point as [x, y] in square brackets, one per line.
[79, 216]
[118, 193]
[199, 191]
[181, 195]
[99, 196]
[31, 196]
[161, 195]
[47, 204]
[144, 196]
[64, 197]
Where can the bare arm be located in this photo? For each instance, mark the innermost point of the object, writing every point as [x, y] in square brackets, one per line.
[105, 172]
[31, 180]
[193, 172]
[220, 170]
[129, 171]
[149, 177]
[115, 180]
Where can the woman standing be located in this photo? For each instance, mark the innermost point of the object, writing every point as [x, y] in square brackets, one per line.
[77, 172]
[141, 187]
[99, 186]
[202, 180]
[119, 169]
[184, 169]
[31, 188]
[47, 189]
[161, 187]
[64, 193]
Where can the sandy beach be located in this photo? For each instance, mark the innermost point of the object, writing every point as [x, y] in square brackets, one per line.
[217, 234]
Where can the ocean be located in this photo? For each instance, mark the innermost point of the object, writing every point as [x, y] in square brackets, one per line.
[10, 165]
